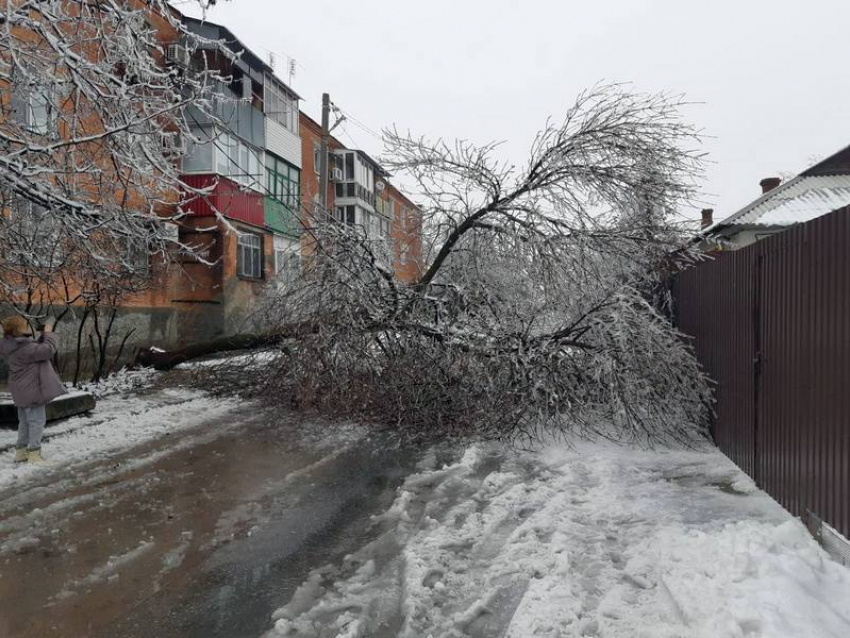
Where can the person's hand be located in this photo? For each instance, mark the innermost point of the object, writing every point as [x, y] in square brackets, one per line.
[47, 328]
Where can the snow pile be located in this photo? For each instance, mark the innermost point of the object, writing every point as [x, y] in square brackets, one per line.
[749, 579]
[252, 359]
[598, 541]
[121, 382]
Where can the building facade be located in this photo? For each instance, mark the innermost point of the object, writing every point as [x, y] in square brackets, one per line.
[250, 174]
[247, 167]
[360, 194]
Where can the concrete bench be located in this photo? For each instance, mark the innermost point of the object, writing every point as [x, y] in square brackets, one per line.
[62, 407]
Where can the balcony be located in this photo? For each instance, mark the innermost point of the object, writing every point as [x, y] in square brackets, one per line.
[227, 197]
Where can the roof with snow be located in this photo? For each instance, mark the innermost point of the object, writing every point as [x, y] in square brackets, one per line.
[819, 190]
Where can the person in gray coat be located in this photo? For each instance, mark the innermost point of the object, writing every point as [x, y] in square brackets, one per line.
[32, 381]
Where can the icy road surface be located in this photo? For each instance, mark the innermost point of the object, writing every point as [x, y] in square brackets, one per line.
[171, 514]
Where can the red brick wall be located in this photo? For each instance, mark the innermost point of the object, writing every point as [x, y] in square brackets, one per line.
[406, 233]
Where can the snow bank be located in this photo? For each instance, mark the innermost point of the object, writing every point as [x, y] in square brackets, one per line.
[121, 420]
[598, 541]
[123, 381]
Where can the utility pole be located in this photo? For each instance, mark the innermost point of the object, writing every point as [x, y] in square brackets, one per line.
[323, 154]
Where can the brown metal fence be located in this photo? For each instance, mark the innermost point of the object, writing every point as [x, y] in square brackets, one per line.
[771, 325]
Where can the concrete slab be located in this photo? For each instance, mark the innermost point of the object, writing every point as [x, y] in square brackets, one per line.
[62, 407]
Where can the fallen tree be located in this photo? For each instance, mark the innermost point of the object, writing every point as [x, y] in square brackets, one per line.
[167, 360]
[534, 312]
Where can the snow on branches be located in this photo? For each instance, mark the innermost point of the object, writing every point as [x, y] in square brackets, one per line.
[93, 123]
[537, 307]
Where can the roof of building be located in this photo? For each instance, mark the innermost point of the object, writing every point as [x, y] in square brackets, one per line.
[818, 190]
[205, 27]
[375, 165]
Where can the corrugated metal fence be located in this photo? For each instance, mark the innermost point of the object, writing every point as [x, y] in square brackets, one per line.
[771, 325]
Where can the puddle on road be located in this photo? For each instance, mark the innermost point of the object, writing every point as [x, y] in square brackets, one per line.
[202, 543]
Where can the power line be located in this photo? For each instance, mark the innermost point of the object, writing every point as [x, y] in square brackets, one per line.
[361, 125]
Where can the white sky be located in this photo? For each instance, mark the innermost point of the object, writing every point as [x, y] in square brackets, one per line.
[770, 77]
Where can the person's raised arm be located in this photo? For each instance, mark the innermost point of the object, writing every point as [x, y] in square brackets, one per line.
[44, 348]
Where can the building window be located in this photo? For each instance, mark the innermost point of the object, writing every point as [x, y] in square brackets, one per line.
[347, 214]
[199, 152]
[249, 256]
[402, 254]
[287, 257]
[283, 182]
[281, 106]
[41, 114]
[346, 189]
[137, 257]
[238, 161]
[34, 235]
[37, 106]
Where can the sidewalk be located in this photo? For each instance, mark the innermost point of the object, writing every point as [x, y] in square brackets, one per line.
[600, 541]
[129, 412]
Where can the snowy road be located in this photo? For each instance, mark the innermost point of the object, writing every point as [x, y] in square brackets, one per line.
[172, 514]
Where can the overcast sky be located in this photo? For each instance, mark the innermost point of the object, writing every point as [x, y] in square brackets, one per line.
[770, 77]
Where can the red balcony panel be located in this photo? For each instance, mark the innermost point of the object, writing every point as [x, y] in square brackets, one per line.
[227, 197]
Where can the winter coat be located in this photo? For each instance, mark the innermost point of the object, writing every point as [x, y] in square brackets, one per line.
[32, 379]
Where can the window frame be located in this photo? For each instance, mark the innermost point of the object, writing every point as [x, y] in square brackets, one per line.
[237, 160]
[41, 232]
[280, 105]
[257, 261]
[287, 257]
[283, 182]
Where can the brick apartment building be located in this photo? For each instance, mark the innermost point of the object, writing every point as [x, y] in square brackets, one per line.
[258, 167]
[262, 171]
[359, 191]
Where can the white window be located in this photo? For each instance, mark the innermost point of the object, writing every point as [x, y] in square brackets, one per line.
[347, 214]
[287, 257]
[402, 254]
[249, 256]
[243, 169]
[223, 154]
[41, 113]
[199, 154]
[238, 161]
[280, 105]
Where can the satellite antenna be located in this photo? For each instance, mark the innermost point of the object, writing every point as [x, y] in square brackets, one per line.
[271, 59]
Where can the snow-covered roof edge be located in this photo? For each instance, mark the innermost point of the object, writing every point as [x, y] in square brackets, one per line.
[836, 164]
